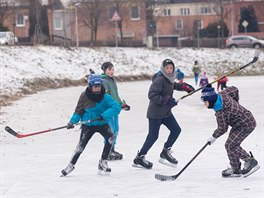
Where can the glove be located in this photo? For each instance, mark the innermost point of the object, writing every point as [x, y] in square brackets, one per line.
[186, 87]
[70, 125]
[100, 118]
[125, 107]
[171, 102]
[211, 140]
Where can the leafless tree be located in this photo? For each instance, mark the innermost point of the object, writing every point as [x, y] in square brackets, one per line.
[91, 16]
[5, 7]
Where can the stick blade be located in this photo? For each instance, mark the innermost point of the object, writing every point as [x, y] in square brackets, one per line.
[256, 57]
[165, 177]
[11, 131]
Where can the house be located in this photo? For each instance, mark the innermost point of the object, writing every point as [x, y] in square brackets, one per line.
[131, 23]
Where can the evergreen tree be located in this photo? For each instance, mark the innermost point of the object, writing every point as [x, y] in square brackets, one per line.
[44, 22]
[248, 14]
[3, 28]
[211, 31]
[32, 18]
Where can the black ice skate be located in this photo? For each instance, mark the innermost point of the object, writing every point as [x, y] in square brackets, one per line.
[167, 159]
[114, 155]
[67, 170]
[250, 166]
[103, 168]
[231, 172]
[141, 162]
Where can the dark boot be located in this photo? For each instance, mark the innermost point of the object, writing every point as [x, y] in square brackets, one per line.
[166, 158]
[67, 170]
[250, 166]
[140, 161]
[231, 172]
[114, 155]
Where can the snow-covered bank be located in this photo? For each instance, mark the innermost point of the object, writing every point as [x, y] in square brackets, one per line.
[25, 69]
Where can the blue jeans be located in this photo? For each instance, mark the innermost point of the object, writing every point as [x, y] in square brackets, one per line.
[153, 134]
[114, 125]
[196, 78]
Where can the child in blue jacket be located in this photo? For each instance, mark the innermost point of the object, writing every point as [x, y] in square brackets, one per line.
[95, 105]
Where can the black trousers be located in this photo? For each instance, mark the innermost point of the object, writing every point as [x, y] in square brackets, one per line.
[86, 134]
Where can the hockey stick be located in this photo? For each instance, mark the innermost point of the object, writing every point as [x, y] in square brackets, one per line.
[19, 135]
[173, 177]
[255, 59]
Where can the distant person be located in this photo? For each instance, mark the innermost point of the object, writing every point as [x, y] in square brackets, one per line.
[196, 71]
[179, 75]
[93, 104]
[229, 112]
[159, 113]
[222, 84]
[111, 88]
[203, 80]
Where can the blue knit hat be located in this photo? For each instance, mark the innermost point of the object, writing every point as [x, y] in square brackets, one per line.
[208, 94]
[94, 79]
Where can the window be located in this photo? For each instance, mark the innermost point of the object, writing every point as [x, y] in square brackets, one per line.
[205, 10]
[135, 13]
[185, 11]
[167, 12]
[58, 23]
[199, 24]
[179, 25]
[20, 20]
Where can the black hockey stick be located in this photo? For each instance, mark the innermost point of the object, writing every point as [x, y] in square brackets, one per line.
[255, 59]
[19, 135]
[173, 177]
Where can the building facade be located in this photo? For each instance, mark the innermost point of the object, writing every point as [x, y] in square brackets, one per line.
[82, 24]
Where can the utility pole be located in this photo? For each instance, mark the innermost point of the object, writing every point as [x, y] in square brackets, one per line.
[37, 35]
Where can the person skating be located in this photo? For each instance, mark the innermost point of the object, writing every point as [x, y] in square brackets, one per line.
[161, 102]
[196, 71]
[229, 112]
[203, 80]
[179, 75]
[93, 104]
[222, 83]
[111, 88]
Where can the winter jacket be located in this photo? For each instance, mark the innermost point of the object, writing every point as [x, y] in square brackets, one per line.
[179, 74]
[196, 69]
[111, 88]
[160, 88]
[203, 81]
[88, 109]
[231, 113]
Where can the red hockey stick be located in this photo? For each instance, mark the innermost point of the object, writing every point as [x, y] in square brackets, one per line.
[19, 135]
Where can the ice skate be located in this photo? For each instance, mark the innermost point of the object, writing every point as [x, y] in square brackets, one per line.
[103, 168]
[141, 162]
[231, 172]
[67, 170]
[250, 166]
[114, 155]
[167, 159]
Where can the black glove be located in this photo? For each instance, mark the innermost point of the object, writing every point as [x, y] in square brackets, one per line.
[70, 125]
[100, 118]
[171, 102]
[125, 107]
[186, 87]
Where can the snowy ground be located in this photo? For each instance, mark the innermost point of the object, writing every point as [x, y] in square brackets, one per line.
[27, 69]
[30, 167]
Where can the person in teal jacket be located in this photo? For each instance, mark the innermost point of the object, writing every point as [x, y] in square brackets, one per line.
[111, 88]
[96, 108]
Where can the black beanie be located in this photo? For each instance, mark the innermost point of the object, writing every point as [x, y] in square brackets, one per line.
[105, 65]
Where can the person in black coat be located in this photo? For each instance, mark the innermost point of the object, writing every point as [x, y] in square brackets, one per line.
[159, 112]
